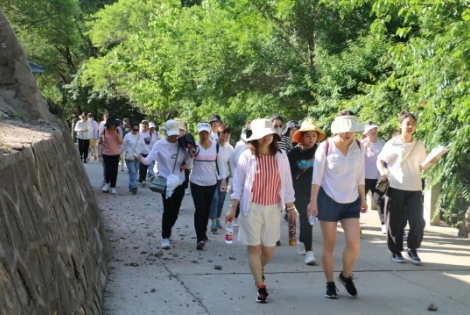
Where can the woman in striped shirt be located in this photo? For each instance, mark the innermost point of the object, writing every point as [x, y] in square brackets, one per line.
[262, 183]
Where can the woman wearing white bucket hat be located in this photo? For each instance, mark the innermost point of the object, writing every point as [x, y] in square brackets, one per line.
[338, 194]
[262, 184]
[170, 158]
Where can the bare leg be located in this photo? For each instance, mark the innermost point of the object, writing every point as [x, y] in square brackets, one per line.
[329, 231]
[352, 236]
[254, 261]
[267, 253]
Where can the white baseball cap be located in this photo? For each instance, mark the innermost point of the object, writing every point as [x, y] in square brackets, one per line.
[172, 128]
[204, 126]
[152, 125]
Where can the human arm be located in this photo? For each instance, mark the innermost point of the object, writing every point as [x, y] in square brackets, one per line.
[361, 175]
[312, 206]
[119, 135]
[152, 156]
[317, 177]
[289, 196]
[238, 183]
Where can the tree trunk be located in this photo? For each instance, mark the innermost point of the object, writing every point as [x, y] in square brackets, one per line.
[465, 226]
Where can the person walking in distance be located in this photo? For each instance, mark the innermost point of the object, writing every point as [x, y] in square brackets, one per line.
[372, 147]
[404, 155]
[338, 194]
[171, 160]
[101, 127]
[215, 123]
[110, 139]
[147, 143]
[226, 153]
[94, 135]
[131, 146]
[286, 143]
[84, 130]
[125, 128]
[208, 166]
[262, 184]
[301, 159]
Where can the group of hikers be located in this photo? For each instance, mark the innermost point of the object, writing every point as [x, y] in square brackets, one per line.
[275, 167]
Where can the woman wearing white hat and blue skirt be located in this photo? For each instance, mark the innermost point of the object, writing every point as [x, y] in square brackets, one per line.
[208, 166]
[262, 184]
[170, 158]
[338, 194]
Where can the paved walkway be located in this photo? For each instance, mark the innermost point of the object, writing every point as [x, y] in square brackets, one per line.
[146, 280]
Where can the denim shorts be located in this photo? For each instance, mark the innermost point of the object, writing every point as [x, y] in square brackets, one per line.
[332, 211]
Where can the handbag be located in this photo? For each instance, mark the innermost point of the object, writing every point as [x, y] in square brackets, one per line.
[159, 183]
[129, 155]
[383, 184]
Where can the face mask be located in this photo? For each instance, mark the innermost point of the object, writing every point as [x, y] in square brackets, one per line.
[278, 130]
[89, 119]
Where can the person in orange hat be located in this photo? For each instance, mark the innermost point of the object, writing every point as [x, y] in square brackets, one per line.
[301, 160]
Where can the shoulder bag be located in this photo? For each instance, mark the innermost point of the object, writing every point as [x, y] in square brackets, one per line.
[159, 183]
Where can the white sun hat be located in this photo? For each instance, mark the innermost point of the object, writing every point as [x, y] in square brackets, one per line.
[172, 128]
[182, 127]
[261, 128]
[343, 124]
[369, 126]
[204, 126]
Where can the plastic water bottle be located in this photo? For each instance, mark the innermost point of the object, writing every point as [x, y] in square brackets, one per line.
[312, 220]
[229, 232]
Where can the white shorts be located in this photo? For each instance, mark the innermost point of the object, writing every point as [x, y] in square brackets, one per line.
[262, 225]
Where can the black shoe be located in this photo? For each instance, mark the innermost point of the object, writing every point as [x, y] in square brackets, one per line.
[331, 290]
[348, 284]
[84, 161]
[134, 191]
[262, 294]
[278, 243]
[398, 258]
[413, 256]
[200, 245]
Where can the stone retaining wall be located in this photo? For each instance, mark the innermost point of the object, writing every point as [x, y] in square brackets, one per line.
[53, 248]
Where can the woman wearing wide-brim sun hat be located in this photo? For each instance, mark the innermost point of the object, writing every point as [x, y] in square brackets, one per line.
[301, 159]
[262, 184]
[338, 194]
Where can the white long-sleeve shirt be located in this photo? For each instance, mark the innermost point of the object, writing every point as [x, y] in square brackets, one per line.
[244, 176]
[164, 153]
[339, 175]
[204, 171]
[226, 153]
[80, 127]
[403, 163]
[240, 147]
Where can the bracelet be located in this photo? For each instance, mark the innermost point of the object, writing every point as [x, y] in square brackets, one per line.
[291, 208]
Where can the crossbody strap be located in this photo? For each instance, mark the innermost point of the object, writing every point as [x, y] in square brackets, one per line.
[176, 160]
[403, 161]
[138, 137]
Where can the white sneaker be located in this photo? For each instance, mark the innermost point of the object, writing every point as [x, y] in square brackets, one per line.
[165, 243]
[113, 191]
[235, 222]
[310, 258]
[144, 183]
[301, 248]
[105, 188]
[384, 229]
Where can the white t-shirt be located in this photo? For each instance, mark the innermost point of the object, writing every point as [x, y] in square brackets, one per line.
[404, 175]
[226, 153]
[371, 153]
[147, 141]
[132, 143]
[204, 171]
[240, 147]
[339, 175]
[214, 136]
[101, 126]
[165, 153]
[80, 126]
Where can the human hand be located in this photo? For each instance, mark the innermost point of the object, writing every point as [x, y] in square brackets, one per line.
[363, 206]
[312, 208]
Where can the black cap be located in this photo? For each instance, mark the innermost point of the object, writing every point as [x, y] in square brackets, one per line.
[84, 114]
[276, 116]
[290, 124]
[215, 118]
[111, 121]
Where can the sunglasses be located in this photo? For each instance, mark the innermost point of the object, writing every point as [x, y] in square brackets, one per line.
[135, 129]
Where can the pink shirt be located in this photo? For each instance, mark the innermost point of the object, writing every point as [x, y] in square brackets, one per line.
[111, 142]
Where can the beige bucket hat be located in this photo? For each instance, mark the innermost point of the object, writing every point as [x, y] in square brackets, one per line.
[261, 128]
[309, 125]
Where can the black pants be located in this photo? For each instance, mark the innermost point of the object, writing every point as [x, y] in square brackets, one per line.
[238, 211]
[399, 203]
[171, 209]
[143, 170]
[378, 198]
[186, 179]
[202, 197]
[111, 163]
[305, 227]
[83, 147]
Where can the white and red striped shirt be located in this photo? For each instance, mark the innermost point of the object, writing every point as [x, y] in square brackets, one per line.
[267, 181]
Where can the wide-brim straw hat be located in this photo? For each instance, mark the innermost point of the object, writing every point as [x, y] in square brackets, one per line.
[343, 124]
[309, 125]
[261, 128]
